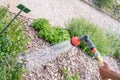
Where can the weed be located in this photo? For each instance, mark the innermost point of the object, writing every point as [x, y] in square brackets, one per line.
[67, 76]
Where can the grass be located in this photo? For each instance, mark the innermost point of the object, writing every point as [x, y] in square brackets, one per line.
[12, 42]
[115, 43]
[105, 3]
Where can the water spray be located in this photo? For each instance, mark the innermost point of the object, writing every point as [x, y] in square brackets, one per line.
[75, 41]
[44, 55]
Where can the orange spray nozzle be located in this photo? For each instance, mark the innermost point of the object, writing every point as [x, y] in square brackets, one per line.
[75, 41]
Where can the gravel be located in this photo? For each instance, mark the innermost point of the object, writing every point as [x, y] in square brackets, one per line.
[76, 61]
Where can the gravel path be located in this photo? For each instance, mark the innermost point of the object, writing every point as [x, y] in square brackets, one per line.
[61, 11]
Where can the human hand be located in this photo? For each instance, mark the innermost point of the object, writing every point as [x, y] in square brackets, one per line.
[106, 71]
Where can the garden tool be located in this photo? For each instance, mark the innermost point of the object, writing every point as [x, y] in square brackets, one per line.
[75, 41]
[22, 9]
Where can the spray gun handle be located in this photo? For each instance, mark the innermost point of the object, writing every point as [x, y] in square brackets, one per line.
[88, 41]
[92, 47]
[100, 59]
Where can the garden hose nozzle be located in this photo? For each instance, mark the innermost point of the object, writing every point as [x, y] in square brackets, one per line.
[75, 41]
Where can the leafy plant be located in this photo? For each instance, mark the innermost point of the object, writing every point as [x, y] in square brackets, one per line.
[51, 34]
[12, 42]
[81, 27]
[67, 76]
[54, 35]
[40, 23]
[62, 34]
[46, 33]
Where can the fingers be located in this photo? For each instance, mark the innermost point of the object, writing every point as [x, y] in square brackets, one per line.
[106, 64]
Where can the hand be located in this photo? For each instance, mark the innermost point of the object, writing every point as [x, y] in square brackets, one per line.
[105, 71]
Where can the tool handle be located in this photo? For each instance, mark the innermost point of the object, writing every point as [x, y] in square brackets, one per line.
[100, 59]
[93, 49]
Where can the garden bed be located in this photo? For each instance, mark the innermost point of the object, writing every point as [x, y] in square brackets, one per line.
[74, 59]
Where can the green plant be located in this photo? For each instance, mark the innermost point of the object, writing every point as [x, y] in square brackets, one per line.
[105, 3]
[75, 76]
[110, 6]
[115, 43]
[47, 32]
[54, 35]
[62, 34]
[14, 39]
[81, 27]
[40, 23]
[116, 10]
[3, 12]
[12, 42]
